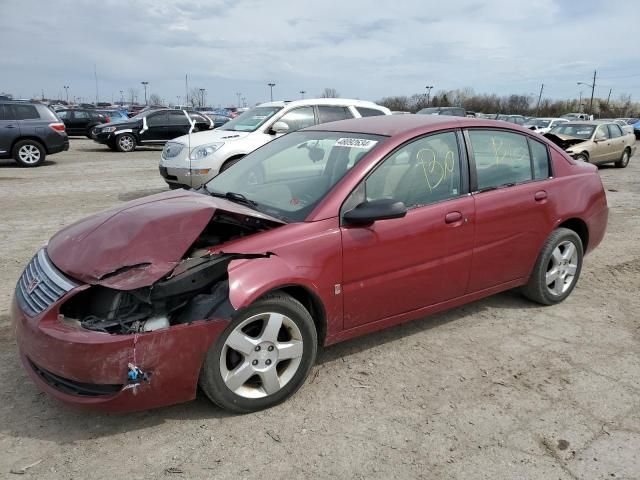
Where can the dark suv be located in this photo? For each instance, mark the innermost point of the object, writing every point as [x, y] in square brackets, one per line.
[80, 121]
[151, 127]
[29, 132]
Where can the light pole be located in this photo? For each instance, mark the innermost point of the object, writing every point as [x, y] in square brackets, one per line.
[145, 91]
[302, 92]
[202, 90]
[271, 85]
[121, 97]
[428, 87]
[66, 89]
[239, 95]
[244, 101]
[593, 87]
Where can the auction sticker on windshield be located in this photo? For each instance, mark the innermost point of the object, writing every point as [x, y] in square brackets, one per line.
[356, 143]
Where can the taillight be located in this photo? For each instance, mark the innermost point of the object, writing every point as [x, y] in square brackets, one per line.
[58, 127]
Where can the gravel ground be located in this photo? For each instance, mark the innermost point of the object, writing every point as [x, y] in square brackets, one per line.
[500, 388]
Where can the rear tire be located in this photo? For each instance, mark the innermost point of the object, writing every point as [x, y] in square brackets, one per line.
[557, 269]
[624, 160]
[263, 356]
[125, 142]
[28, 153]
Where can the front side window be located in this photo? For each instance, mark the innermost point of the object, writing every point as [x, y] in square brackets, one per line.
[422, 172]
[299, 118]
[63, 114]
[251, 120]
[501, 158]
[602, 133]
[332, 114]
[288, 177]
[159, 119]
[179, 118]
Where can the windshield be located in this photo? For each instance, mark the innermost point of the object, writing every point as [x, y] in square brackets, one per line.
[250, 121]
[289, 176]
[538, 122]
[430, 111]
[573, 130]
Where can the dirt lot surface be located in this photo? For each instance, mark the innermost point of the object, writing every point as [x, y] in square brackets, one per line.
[500, 388]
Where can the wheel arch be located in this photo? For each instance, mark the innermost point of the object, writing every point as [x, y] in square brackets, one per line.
[312, 303]
[32, 138]
[237, 156]
[580, 227]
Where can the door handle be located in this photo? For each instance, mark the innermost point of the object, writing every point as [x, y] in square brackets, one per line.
[541, 195]
[453, 217]
[10, 126]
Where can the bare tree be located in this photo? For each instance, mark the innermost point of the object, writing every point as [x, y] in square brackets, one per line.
[197, 97]
[330, 93]
[132, 94]
[155, 99]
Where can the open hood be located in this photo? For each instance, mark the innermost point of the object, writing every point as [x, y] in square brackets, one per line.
[139, 242]
[564, 141]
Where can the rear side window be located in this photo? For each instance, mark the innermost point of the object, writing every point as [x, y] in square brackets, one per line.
[63, 114]
[80, 115]
[501, 158]
[615, 131]
[26, 112]
[332, 114]
[540, 158]
[369, 112]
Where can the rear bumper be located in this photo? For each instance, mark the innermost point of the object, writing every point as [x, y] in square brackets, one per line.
[57, 148]
[90, 370]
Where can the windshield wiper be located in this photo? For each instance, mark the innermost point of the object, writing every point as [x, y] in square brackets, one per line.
[235, 197]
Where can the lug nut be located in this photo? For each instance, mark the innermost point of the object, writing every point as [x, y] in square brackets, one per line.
[255, 362]
[268, 362]
[257, 349]
[270, 348]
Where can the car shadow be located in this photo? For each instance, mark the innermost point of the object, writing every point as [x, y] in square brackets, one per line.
[9, 163]
[33, 414]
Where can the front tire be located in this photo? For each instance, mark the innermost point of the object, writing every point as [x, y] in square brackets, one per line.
[557, 269]
[28, 153]
[263, 357]
[624, 160]
[582, 157]
[125, 142]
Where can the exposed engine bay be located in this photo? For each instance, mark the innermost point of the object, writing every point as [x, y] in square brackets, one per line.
[564, 142]
[196, 289]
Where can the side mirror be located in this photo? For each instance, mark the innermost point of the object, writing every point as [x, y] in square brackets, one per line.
[279, 127]
[599, 138]
[368, 212]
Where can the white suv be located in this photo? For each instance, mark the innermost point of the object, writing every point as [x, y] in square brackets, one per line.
[192, 160]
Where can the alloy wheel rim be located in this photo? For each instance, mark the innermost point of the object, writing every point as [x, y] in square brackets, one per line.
[29, 154]
[562, 268]
[126, 143]
[625, 158]
[261, 355]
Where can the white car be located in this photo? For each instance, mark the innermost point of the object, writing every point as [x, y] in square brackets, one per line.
[192, 160]
[544, 125]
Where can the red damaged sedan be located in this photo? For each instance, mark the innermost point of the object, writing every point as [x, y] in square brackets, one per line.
[322, 235]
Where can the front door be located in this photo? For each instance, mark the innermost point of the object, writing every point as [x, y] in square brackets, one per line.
[177, 124]
[601, 151]
[156, 131]
[9, 129]
[398, 266]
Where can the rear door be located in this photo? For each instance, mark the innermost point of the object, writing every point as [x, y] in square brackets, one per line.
[513, 197]
[617, 141]
[9, 129]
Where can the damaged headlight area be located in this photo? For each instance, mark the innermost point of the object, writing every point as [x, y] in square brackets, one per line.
[197, 289]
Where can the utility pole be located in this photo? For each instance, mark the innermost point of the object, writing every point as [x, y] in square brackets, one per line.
[302, 92]
[202, 90]
[66, 89]
[186, 89]
[239, 95]
[271, 85]
[428, 87]
[539, 99]
[121, 97]
[95, 74]
[593, 87]
[609, 98]
[144, 84]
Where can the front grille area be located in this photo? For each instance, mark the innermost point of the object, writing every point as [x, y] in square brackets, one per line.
[72, 387]
[172, 149]
[41, 284]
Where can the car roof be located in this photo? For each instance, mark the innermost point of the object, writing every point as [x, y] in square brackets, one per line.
[323, 101]
[589, 122]
[390, 125]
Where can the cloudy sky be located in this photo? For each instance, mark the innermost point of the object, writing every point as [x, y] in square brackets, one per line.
[364, 49]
